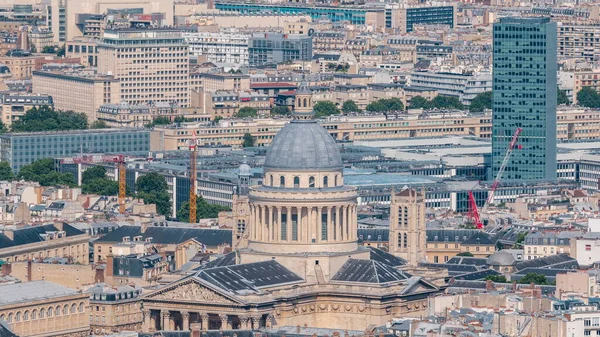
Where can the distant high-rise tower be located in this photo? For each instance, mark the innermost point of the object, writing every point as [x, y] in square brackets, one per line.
[407, 226]
[524, 96]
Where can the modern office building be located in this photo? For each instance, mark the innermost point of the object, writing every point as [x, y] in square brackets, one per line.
[272, 48]
[524, 96]
[151, 64]
[220, 48]
[24, 148]
[464, 86]
[404, 18]
[80, 91]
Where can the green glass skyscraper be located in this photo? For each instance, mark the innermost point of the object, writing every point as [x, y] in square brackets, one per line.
[524, 96]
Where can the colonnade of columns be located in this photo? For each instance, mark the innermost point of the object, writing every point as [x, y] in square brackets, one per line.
[172, 320]
[306, 224]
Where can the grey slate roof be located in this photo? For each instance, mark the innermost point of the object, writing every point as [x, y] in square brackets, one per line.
[373, 234]
[32, 291]
[386, 258]
[249, 277]
[225, 260]
[170, 235]
[368, 271]
[562, 261]
[450, 235]
[466, 260]
[31, 234]
[5, 330]
[303, 145]
[478, 275]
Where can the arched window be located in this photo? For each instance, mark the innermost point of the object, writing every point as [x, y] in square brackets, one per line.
[34, 314]
[405, 241]
[57, 311]
[2, 318]
[335, 181]
[10, 317]
[271, 180]
[81, 307]
[42, 312]
[66, 310]
[305, 102]
[405, 219]
[49, 312]
[325, 181]
[282, 181]
[73, 308]
[311, 182]
[18, 316]
[296, 181]
[26, 315]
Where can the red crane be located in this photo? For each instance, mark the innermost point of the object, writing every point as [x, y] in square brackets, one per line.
[474, 213]
[118, 159]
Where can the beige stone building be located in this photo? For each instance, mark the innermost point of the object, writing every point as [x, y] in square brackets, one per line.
[407, 226]
[114, 309]
[78, 91]
[34, 242]
[13, 106]
[210, 82]
[152, 65]
[84, 48]
[20, 63]
[44, 309]
[298, 255]
[576, 283]
[74, 276]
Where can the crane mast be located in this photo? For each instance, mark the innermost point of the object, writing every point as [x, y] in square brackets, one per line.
[193, 176]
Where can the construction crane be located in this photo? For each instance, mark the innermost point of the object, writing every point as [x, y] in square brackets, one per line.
[474, 213]
[193, 175]
[94, 159]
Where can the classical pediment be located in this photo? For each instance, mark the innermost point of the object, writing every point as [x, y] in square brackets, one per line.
[192, 290]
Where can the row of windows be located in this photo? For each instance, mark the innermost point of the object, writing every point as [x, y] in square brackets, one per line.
[42, 313]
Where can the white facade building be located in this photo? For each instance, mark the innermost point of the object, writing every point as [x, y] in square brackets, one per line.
[464, 86]
[226, 47]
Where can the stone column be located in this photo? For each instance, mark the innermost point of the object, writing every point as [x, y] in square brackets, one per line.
[309, 224]
[288, 224]
[165, 319]
[204, 321]
[269, 322]
[278, 230]
[329, 229]
[186, 320]
[354, 221]
[223, 322]
[252, 223]
[348, 222]
[255, 322]
[338, 224]
[244, 322]
[319, 223]
[263, 223]
[146, 319]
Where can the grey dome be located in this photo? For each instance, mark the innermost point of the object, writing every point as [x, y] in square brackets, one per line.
[501, 258]
[245, 170]
[303, 145]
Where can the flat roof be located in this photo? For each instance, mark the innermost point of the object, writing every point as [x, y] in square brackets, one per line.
[32, 291]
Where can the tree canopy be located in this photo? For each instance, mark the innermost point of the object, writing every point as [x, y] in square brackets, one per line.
[350, 106]
[94, 181]
[539, 279]
[497, 278]
[45, 118]
[280, 110]
[204, 210]
[588, 97]
[246, 112]
[438, 102]
[43, 171]
[6, 172]
[99, 125]
[248, 140]
[481, 102]
[325, 108]
[152, 188]
[159, 120]
[385, 104]
[562, 98]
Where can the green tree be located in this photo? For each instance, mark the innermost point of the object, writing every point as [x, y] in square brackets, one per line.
[497, 278]
[152, 188]
[385, 104]
[43, 171]
[45, 118]
[481, 102]
[248, 140]
[418, 102]
[60, 52]
[6, 172]
[325, 108]
[539, 279]
[160, 120]
[446, 102]
[246, 112]
[562, 98]
[49, 50]
[588, 97]
[204, 210]
[376, 106]
[520, 239]
[350, 106]
[280, 110]
[101, 186]
[217, 119]
[95, 172]
[467, 254]
[180, 119]
[99, 125]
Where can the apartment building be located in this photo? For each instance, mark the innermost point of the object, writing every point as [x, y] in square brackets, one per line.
[578, 41]
[225, 47]
[80, 91]
[226, 103]
[325, 42]
[84, 48]
[537, 245]
[213, 82]
[13, 106]
[125, 115]
[21, 63]
[465, 86]
[115, 309]
[152, 65]
[40, 37]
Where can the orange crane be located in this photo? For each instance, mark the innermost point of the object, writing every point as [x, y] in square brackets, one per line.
[94, 159]
[193, 176]
[474, 213]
